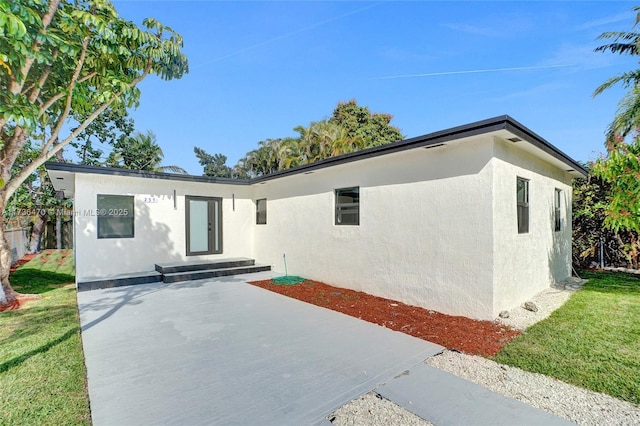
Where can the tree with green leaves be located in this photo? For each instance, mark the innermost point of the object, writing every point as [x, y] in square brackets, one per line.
[109, 128]
[62, 61]
[590, 214]
[620, 167]
[140, 152]
[214, 165]
[627, 117]
[351, 128]
[374, 129]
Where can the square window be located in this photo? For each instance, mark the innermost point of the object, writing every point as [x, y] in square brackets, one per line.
[522, 196]
[115, 216]
[261, 211]
[348, 206]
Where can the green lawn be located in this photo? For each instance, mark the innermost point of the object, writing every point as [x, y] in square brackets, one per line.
[42, 373]
[593, 341]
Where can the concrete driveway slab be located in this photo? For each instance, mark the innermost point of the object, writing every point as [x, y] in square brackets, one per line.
[225, 352]
[447, 400]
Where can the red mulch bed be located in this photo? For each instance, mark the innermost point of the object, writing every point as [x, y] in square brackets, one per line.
[463, 334]
[26, 258]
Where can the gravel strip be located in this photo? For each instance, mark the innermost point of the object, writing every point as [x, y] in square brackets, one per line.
[573, 403]
[373, 410]
[546, 301]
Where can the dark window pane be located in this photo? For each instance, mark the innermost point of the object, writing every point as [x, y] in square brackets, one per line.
[348, 206]
[261, 211]
[522, 195]
[116, 216]
[557, 213]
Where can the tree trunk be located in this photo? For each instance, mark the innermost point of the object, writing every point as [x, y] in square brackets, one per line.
[36, 232]
[7, 294]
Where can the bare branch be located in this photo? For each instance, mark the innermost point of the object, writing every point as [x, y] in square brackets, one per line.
[87, 77]
[45, 154]
[72, 85]
[42, 80]
[16, 87]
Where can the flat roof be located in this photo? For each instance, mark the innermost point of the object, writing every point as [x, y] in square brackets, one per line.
[536, 145]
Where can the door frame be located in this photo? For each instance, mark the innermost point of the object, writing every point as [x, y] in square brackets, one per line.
[211, 203]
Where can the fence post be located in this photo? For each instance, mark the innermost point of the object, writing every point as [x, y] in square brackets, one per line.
[601, 254]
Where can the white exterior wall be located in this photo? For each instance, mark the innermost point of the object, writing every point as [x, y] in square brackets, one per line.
[425, 236]
[527, 263]
[159, 228]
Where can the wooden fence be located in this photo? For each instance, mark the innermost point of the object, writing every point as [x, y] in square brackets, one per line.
[18, 240]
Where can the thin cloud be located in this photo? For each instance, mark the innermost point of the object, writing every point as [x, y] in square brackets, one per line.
[292, 33]
[626, 17]
[474, 30]
[478, 71]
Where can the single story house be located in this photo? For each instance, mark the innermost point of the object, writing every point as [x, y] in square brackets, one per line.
[470, 220]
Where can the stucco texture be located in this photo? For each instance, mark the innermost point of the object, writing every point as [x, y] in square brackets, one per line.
[438, 226]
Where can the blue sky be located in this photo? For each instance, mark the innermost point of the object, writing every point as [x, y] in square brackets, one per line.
[258, 69]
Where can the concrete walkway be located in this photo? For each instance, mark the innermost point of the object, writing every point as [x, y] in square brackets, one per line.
[225, 352]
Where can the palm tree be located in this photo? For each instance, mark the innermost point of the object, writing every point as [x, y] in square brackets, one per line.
[141, 152]
[627, 118]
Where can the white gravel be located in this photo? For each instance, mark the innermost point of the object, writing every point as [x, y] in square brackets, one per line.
[573, 403]
[372, 410]
[546, 301]
[576, 404]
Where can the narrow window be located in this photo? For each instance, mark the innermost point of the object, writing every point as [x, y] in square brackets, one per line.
[348, 206]
[522, 192]
[556, 210]
[115, 216]
[261, 211]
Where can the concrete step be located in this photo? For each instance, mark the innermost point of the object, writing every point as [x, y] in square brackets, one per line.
[120, 280]
[170, 268]
[212, 273]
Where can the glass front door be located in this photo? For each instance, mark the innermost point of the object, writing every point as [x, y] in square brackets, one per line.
[204, 225]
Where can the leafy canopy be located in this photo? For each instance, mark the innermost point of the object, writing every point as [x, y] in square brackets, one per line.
[66, 60]
[351, 128]
[62, 64]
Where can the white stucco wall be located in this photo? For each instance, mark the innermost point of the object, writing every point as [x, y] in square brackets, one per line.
[525, 264]
[159, 228]
[438, 227]
[425, 233]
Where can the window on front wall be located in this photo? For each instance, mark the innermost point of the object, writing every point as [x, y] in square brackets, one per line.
[522, 195]
[261, 211]
[115, 216]
[348, 206]
[557, 218]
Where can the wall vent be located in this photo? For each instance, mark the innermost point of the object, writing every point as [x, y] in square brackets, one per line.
[433, 146]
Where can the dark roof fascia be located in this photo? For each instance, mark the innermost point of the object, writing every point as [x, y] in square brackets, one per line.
[112, 171]
[442, 136]
[523, 132]
[503, 122]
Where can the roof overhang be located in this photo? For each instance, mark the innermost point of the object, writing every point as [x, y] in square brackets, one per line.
[505, 127]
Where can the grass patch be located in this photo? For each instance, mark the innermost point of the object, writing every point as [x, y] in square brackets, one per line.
[42, 372]
[593, 341]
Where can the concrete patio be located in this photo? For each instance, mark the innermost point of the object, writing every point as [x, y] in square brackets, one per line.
[221, 351]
